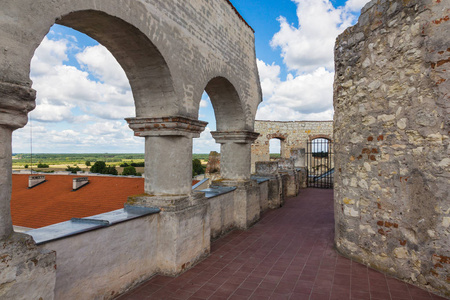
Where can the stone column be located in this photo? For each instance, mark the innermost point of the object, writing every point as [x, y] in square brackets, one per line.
[15, 102]
[183, 223]
[235, 167]
[168, 153]
[24, 265]
[235, 151]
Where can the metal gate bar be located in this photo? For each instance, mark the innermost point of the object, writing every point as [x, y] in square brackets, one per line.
[320, 163]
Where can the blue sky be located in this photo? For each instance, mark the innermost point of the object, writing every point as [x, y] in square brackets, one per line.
[83, 94]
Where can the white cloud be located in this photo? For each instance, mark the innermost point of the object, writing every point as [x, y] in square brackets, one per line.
[310, 45]
[203, 103]
[205, 143]
[78, 110]
[302, 97]
[355, 5]
[49, 54]
[269, 76]
[308, 51]
[47, 112]
[101, 63]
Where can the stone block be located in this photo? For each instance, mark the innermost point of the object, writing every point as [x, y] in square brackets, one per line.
[246, 201]
[264, 168]
[26, 272]
[183, 230]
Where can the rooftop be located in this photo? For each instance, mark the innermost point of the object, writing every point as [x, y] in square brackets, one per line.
[54, 201]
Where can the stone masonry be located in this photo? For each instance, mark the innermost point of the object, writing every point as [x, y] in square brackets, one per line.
[292, 135]
[392, 108]
[171, 51]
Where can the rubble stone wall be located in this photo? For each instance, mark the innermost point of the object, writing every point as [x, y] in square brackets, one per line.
[391, 134]
[291, 134]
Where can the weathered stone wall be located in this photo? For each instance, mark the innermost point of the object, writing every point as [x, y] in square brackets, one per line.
[291, 135]
[104, 263]
[392, 107]
[170, 50]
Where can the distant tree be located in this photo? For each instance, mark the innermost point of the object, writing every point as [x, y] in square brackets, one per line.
[74, 169]
[42, 166]
[139, 164]
[98, 167]
[87, 163]
[26, 166]
[130, 170]
[124, 165]
[197, 167]
[111, 170]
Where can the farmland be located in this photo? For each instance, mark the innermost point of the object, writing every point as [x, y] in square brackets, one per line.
[60, 161]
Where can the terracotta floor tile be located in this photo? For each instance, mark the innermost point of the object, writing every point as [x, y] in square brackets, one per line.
[289, 254]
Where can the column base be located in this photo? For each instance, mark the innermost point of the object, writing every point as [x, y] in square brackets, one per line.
[246, 201]
[26, 272]
[183, 230]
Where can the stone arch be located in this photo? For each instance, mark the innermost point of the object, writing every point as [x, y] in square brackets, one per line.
[146, 69]
[280, 136]
[227, 104]
[320, 136]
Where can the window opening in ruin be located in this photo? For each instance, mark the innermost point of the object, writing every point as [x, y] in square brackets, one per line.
[275, 148]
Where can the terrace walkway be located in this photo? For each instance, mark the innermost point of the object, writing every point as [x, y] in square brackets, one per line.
[287, 255]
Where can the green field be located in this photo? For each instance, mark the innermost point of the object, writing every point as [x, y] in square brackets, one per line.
[62, 160]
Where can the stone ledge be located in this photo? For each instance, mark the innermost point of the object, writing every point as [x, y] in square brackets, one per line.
[167, 126]
[168, 203]
[238, 137]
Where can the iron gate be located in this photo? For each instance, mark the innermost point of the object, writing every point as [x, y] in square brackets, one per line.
[320, 163]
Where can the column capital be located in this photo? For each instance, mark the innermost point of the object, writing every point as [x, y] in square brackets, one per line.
[15, 103]
[237, 137]
[166, 126]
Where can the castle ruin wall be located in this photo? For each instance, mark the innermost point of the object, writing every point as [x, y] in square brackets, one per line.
[292, 135]
[391, 135]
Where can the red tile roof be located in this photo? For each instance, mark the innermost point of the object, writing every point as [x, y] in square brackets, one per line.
[54, 202]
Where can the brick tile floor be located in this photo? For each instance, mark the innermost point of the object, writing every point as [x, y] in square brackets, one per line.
[287, 255]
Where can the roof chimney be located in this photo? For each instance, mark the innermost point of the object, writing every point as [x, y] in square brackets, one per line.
[79, 182]
[35, 180]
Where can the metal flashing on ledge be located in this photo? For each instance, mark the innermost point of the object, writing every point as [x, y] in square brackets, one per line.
[199, 183]
[215, 191]
[90, 221]
[80, 225]
[260, 179]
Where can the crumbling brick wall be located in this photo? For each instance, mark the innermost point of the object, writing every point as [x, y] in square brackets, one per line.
[392, 107]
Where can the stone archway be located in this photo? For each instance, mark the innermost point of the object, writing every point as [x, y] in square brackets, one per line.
[168, 56]
[233, 131]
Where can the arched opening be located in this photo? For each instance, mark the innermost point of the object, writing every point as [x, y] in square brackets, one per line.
[144, 65]
[320, 163]
[146, 88]
[227, 105]
[231, 130]
[205, 149]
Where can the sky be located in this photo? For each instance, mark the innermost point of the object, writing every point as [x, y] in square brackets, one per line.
[83, 94]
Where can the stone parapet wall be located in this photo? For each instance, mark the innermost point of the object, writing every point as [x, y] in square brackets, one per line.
[391, 99]
[292, 135]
